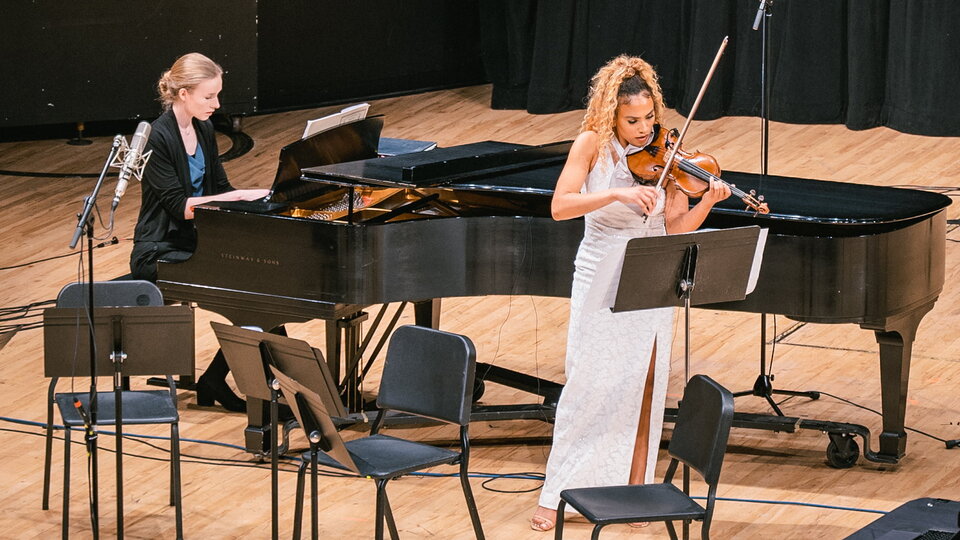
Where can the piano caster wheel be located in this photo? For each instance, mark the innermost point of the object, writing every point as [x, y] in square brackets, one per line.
[843, 451]
[478, 388]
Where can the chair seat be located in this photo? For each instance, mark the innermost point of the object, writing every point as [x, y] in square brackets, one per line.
[625, 504]
[139, 407]
[381, 456]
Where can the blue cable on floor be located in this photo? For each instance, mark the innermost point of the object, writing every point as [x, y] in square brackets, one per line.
[520, 476]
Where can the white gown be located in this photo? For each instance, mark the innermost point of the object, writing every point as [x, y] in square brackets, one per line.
[608, 355]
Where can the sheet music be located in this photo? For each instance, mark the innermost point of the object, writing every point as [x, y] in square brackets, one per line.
[757, 260]
[345, 116]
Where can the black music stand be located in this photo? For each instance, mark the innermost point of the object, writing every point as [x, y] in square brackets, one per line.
[689, 269]
[250, 355]
[130, 341]
[695, 268]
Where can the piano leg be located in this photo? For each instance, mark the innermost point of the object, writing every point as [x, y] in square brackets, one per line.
[256, 436]
[427, 313]
[896, 346]
[343, 342]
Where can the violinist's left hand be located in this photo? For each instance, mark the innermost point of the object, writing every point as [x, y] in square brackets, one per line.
[718, 191]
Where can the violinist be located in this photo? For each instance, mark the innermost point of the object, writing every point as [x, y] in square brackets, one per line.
[617, 364]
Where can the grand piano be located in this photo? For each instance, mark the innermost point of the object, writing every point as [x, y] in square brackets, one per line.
[344, 229]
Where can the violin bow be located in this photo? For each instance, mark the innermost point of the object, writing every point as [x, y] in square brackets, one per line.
[693, 110]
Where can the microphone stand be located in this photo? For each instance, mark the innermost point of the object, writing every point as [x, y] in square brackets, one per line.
[763, 386]
[85, 223]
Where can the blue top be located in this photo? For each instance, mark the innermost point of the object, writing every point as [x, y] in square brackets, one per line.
[197, 169]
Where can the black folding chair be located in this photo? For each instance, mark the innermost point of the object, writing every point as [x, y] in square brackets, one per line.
[137, 407]
[699, 441]
[428, 373]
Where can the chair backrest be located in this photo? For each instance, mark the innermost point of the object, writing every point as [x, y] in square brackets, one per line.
[111, 294]
[313, 417]
[703, 427]
[429, 373]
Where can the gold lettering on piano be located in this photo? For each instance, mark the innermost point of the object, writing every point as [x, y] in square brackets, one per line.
[249, 259]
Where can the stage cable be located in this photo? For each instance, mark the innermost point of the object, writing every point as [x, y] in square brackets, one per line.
[112, 241]
[487, 477]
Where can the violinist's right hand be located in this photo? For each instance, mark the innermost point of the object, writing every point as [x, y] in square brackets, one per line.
[644, 197]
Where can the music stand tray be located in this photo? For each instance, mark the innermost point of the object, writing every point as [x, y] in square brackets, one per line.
[692, 268]
[720, 269]
[157, 340]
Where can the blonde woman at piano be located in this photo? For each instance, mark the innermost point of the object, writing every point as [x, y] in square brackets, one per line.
[617, 364]
[184, 170]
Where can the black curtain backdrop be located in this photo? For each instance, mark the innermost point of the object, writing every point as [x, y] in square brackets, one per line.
[862, 63]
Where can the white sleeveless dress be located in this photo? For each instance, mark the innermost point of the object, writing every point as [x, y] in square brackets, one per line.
[608, 354]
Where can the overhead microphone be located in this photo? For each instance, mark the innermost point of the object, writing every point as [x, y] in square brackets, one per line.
[131, 160]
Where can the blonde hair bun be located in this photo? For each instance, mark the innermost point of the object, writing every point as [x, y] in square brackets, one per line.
[186, 72]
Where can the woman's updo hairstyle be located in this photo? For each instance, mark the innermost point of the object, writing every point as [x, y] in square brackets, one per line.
[187, 72]
[617, 82]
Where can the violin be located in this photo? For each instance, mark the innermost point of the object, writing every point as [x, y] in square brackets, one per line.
[691, 172]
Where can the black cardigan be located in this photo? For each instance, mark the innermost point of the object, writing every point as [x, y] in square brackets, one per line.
[166, 182]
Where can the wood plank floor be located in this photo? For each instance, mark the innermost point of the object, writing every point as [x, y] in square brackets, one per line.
[226, 491]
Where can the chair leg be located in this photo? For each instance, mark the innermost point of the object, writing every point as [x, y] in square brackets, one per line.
[387, 511]
[65, 519]
[175, 494]
[384, 513]
[471, 503]
[558, 526]
[378, 520]
[48, 454]
[671, 530]
[596, 532]
[298, 508]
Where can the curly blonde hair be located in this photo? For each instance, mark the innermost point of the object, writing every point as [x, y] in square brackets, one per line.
[187, 72]
[615, 83]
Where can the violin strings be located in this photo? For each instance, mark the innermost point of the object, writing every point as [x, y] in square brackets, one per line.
[700, 172]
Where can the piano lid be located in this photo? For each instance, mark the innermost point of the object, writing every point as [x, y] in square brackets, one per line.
[513, 168]
[347, 142]
[824, 202]
[497, 165]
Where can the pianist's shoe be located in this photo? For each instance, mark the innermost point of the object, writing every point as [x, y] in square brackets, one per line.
[218, 390]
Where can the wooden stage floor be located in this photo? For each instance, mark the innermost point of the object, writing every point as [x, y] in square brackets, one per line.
[774, 485]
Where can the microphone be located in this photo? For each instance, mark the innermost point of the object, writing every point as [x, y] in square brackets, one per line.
[133, 161]
[760, 10]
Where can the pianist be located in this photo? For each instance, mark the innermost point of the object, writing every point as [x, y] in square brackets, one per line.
[610, 413]
[184, 171]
